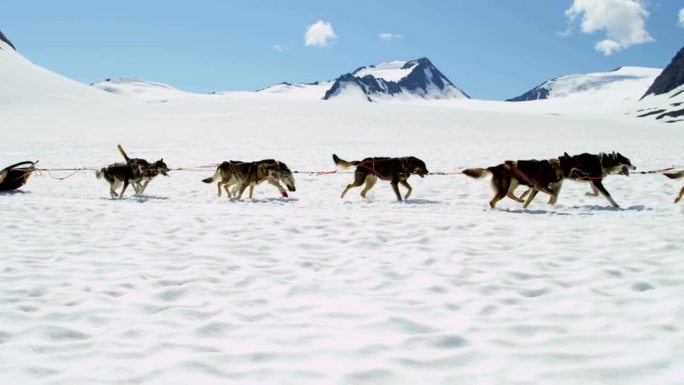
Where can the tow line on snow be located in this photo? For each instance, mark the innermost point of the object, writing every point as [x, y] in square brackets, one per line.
[204, 168]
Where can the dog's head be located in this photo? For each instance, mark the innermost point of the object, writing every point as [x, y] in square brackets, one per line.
[281, 172]
[416, 166]
[160, 167]
[620, 164]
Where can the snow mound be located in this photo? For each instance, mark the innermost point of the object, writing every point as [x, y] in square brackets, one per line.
[140, 89]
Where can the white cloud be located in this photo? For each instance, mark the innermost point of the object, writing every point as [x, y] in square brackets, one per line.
[281, 47]
[623, 21]
[681, 17]
[386, 36]
[319, 34]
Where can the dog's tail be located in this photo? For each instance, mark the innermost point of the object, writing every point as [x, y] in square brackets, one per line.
[675, 175]
[123, 153]
[213, 178]
[343, 163]
[99, 173]
[476, 172]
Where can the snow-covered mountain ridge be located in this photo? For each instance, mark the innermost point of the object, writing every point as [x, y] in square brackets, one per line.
[577, 84]
[415, 79]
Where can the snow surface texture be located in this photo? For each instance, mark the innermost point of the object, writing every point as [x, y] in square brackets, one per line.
[182, 287]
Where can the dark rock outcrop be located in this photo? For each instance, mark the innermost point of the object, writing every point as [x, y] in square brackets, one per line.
[6, 40]
[671, 77]
[539, 92]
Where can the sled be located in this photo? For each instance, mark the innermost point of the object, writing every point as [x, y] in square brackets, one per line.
[16, 175]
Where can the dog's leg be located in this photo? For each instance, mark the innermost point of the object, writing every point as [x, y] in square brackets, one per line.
[498, 195]
[144, 186]
[112, 190]
[511, 191]
[218, 185]
[226, 187]
[599, 186]
[395, 187]
[555, 187]
[359, 179]
[500, 187]
[679, 197]
[277, 184]
[251, 191]
[594, 191]
[530, 197]
[236, 189]
[125, 184]
[408, 186]
[370, 182]
[243, 187]
[524, 194]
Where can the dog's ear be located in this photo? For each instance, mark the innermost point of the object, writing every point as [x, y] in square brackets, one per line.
[566, 154]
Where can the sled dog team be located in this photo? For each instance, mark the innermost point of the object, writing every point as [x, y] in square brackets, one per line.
[538, 175]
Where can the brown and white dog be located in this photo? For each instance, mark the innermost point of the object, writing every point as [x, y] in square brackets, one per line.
[250, 174]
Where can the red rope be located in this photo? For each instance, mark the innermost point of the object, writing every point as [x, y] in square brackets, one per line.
[654, 171]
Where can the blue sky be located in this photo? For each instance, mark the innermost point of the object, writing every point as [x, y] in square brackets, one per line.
[491, 49]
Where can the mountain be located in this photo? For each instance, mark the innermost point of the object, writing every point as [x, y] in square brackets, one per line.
[415, 79]
[6, 40]
[628, 79]
[671, 77]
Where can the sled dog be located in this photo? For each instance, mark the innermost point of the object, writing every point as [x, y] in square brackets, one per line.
[117, 174]
[250, 174]
[147, 170]
[593, 168]
[677, 175]
[395, 170]
[540, 175]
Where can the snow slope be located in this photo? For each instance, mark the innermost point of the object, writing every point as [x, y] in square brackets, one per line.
[578, 85]
[392, 71]
[311, 91]
[182, 287]
[141, 89]
[23, 82]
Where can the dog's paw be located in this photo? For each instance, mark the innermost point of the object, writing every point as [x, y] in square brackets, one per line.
[284, 193]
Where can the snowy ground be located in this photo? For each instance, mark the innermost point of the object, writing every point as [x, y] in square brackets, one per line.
[180, 286]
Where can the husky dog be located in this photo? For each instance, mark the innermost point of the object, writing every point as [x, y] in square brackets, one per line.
[250, 174]
[593, 168]
[539, 175]
[394, 170]
[147, 170]
[677, 175]
[117, 174]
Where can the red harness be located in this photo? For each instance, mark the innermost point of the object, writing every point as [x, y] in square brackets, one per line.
[372, 169]
[519, 173]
